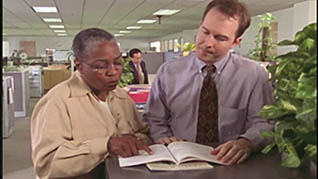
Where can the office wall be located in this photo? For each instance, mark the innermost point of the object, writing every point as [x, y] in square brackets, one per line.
[290, 20]
[65, 43]
[127, 44]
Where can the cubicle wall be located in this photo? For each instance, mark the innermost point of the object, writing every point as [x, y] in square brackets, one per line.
[21, 91]
[153, 61]
[7, 106]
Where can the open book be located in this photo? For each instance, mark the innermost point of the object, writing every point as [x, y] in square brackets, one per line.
[176, 152]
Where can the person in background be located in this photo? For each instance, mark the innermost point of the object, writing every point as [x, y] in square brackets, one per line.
[138, 67]
[84, 119]
[213, 97]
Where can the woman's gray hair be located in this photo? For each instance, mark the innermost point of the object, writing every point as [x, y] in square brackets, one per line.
[88, 38]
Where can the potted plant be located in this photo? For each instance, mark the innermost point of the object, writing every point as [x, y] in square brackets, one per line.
[294, 110]
[127, 75]
[187, 48]
[264, 45]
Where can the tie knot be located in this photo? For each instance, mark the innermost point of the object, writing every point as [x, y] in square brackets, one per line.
[210, 69]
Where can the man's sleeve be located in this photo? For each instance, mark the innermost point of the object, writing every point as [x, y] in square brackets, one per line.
[261, 95]
[157, 113]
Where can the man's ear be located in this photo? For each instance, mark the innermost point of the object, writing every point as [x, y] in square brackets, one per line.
[236, 42]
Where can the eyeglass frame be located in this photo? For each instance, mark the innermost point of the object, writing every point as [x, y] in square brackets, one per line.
[105, 69]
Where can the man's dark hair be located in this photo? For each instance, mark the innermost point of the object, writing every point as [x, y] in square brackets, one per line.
[234, 9]
[134, 51]
[87, 39]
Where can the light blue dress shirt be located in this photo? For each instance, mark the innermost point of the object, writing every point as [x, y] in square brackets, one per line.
[243, 89]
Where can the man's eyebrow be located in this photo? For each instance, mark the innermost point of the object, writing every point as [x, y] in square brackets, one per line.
[205, 28]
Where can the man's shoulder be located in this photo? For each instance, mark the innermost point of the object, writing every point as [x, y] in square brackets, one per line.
[248, 66]
[246, 62]
[179, 63]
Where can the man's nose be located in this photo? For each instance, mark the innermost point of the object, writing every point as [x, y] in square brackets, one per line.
[210, 41]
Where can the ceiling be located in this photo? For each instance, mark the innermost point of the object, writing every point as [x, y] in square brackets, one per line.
[19, 19]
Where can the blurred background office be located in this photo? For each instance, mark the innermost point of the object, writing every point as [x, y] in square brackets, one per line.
[37, 55]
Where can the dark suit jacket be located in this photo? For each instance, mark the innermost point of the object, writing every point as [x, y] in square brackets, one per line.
[135, 73]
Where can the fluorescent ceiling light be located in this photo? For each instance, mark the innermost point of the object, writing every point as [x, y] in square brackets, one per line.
[57, 26]
[44, 9]
[52, 19]
[59, 31]
[117, 35]
[166, 12]
[146, 21]
[133, 27]
[124, 31]
[61, 34]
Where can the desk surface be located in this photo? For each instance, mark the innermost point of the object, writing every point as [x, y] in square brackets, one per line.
[258, 166]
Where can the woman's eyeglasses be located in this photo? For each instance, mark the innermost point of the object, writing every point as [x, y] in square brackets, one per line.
[117, 64]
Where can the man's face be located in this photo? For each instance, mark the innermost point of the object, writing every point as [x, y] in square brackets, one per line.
[216, 36]
[103, 54]
[137, 58]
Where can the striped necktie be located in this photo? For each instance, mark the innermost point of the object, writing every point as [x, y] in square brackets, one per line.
[139, 74]
[207, 128]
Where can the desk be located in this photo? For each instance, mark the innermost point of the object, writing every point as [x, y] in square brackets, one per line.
[258, 166]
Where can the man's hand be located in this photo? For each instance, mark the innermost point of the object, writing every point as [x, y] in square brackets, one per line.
[234, 151]
[127, 145]
[168, 140]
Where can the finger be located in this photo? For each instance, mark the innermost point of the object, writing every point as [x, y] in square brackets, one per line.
[233, 160]
[174, 139]
[133, 147]
[146, 148]
[223, 151]
[163, 140]
[216, 150]
[127, 150]
[229, 155]
[242, 159]
[121, 152]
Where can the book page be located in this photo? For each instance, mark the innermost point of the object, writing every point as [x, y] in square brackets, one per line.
[159, 153]
[188, 151]
[165, 166]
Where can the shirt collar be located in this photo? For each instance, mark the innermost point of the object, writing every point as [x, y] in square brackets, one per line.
[78, 87]
[219, 65]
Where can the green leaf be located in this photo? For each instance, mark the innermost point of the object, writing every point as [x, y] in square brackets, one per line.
[272, 112]
[286, 42]
[287, 106]
[268, 148]
[311, 150]
[292, 159]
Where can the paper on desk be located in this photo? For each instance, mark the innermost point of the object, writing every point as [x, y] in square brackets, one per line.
[166, 166]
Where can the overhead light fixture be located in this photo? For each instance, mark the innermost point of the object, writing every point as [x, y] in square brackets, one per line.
[133, 27]
[124, 31]
[166, 12]
[146, 21]
[42, 9]
[59, 31]
[52, 19]
[61, 34]
[118, 35]
[56, 26]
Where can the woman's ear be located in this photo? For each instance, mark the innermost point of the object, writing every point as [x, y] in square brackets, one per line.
[78, 65]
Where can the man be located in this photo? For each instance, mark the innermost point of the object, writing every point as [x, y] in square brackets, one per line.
[138, 67]
[83, 120]
[214, 96]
